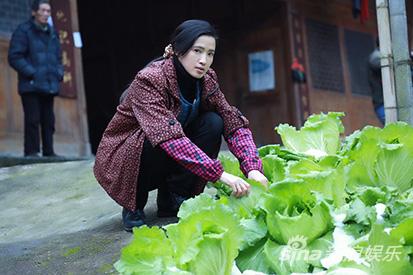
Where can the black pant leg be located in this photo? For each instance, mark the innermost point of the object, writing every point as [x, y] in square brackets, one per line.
[205, 132]
[31, 108]
[152, 172]
[47, 123]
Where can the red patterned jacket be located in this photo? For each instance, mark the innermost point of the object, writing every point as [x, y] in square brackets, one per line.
[150, 110]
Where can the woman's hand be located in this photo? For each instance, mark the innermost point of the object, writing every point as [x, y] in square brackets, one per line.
[258, 176]
[239, 186]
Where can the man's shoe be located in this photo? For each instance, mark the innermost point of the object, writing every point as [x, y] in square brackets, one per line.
[132, 219]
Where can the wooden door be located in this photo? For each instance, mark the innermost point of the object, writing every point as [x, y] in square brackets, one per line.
[267, 107]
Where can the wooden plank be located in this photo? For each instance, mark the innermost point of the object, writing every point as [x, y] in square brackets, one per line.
[11, 111]
[62, 20]
[85, 147]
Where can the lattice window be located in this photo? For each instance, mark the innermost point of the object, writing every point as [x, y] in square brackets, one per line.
[358, 48]
[324, 54]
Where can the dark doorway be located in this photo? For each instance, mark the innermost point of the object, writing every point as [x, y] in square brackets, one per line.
[120, 37]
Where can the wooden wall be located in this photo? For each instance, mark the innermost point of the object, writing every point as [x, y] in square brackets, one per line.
[138, 32]
[358, 108]
[264, 28]
[9, 120]
[292, 103]
[11, 115]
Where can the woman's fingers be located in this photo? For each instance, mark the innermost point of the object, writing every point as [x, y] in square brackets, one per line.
[241, 188]
[235, 189]
[246, 187]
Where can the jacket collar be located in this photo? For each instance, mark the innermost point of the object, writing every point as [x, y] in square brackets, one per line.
[170, 75]
[37, 27]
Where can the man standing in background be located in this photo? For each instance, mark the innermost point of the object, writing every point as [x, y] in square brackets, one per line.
[35, 54]
[375, 83]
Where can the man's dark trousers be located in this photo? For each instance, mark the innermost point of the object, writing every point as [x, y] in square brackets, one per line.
[38, 111]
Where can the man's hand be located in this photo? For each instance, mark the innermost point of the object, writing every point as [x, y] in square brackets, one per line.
[239, 186]
[258, 176]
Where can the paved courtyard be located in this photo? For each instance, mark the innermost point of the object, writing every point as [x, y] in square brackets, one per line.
[56, 219]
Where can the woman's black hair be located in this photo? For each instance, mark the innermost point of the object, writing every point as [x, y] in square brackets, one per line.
[183, 38]
[36, 4]
[187, 32]
[185, 35]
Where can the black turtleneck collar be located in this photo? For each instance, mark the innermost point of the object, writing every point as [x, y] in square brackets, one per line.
[186, 82]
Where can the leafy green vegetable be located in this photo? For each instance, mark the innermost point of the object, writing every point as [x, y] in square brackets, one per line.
[253, 258]
[255, 229]
[212, 237]
[248, 211]
[318, 137]
[230, 164]
[319, 187]
[403, 232]
[401, 209]
[382, 157]
[386, 254]
[283, 265]
[360, 213]
[291, 210]
[325, 179]
[349, 268]
[150, 252]
[297, 255]
[395, 166]
[372, 195]
[281, 152]
[274, 168]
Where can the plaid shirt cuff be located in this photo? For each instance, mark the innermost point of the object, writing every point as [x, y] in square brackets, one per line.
[193, 158]
[242, 145]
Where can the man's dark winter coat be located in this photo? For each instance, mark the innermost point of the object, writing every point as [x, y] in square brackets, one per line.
[36, 55]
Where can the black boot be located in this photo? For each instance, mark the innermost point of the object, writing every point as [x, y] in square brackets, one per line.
[132, 219]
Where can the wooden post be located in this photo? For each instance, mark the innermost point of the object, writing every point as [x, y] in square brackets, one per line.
[84, 148]
[402, 73]
[387, 68]
[298, 115]
[66, 18]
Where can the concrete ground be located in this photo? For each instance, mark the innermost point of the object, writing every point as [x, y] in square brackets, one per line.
[56, 219]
